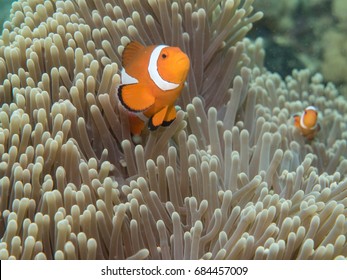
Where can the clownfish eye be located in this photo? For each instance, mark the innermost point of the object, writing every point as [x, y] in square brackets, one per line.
[164, 55]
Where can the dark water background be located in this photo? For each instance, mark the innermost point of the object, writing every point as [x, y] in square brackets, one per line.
[5, 6]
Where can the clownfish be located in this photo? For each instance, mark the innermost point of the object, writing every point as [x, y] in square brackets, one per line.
[307, 123]
[152, 78]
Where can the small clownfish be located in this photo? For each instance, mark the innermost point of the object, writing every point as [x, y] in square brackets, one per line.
[307, 123]
[152, 79]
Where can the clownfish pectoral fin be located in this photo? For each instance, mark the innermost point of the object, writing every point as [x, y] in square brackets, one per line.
[170, 116]
[157, 119]
[130, 51]
[135, 97]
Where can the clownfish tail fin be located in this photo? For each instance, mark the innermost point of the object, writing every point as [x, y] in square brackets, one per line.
[136, 124]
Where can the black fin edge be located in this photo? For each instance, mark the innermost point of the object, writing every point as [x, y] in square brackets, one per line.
[167, 123]
[152, 127]
[123, 103]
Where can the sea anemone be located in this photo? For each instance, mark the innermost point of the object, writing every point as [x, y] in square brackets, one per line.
[231, 178]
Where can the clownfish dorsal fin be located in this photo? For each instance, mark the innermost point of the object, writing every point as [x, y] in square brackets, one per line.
[132, 49]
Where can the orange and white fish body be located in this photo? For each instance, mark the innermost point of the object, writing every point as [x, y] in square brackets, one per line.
[307, 122]
[152, 78]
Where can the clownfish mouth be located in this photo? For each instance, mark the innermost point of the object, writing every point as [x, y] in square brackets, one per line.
[183, 60]
[174, 74]
[183, 64]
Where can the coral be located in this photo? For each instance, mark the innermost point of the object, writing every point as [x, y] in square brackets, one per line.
[305, 34]
[338, 8]
[229, 179]
[335, 48]
[334, 66]
[273, 9]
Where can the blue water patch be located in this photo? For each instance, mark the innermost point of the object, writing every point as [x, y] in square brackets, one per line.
[5, 6]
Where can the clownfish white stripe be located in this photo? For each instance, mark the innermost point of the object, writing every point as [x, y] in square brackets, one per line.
[303, 116]
[153, 70]
[302, 122]
[311, 108]
[127, 79]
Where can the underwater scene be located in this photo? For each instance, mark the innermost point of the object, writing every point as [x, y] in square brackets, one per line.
[180, 129]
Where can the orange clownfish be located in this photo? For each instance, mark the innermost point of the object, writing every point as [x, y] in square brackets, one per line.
[307, 123]
[152, 79]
